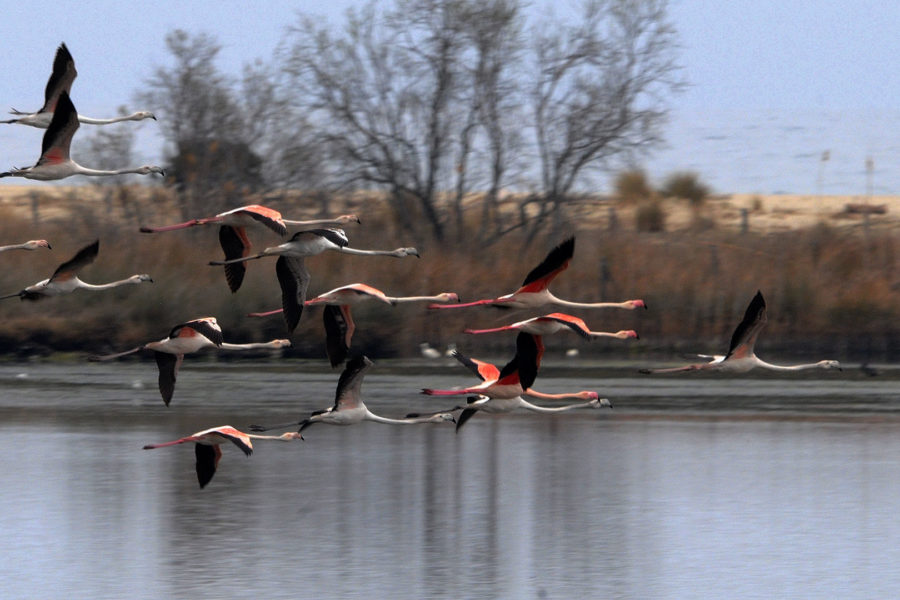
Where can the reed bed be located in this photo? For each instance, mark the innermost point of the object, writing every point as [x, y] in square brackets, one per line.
[831, 291]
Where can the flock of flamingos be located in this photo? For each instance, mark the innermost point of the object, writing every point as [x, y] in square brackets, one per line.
[500, 389]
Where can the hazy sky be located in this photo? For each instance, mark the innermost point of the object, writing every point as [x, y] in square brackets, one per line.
[742, 54]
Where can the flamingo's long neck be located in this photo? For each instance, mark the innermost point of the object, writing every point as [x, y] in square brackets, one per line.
[284, 437]
[551, 299]
[316, 223]
[357, 251]
[543, 409]
[621, 335]
[402, 299]
[493, 330]
[266, 313]
[566, 396]
[253, 346]
[93, 121]
[110, 285]
[370, 416]
[81, 170]
[185, 225]
[766, 365]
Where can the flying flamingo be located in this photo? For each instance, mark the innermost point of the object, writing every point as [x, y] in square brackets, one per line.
[509, 382]
[29, 245]
[55, 162]
[349, 408]
[233, 235]
[207, 446]
[534, 292]
[339, 325]
[502, 391]
[741, 357]
[556, 322]
[290, 268]
[187, 338]
[65, 279]
[61, 81]
[504, 405]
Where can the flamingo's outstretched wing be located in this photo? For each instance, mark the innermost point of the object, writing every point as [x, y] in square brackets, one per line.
[745, 334]
[83, 258]
[60, 80]
[574, 323]
[348, 394]
[168, 372]
[266, 216]
[207, 462]
[293, 276]
[234, 247]
[207, 327]
[525, 364]
[473, 402]
[58, 137]
[483, 370]
[555, 263]
[337, 343]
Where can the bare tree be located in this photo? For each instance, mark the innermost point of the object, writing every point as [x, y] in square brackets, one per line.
[208, 143]
[390, 97]
[600, 90]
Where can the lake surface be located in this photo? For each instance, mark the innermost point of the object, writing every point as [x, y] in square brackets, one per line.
[690, 487]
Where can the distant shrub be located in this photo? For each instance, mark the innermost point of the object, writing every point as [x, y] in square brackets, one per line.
[650, 216]
[632, 186]
[686, 185]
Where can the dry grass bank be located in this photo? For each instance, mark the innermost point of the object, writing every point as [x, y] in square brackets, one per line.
[832, 291]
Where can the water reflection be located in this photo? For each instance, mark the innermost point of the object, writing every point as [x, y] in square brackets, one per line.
[604, 504]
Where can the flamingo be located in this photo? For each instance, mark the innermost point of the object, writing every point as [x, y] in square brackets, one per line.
[509, 382]
[187, 338]
[65, 279]
[504, 405]
[741, 357]
[233, 235]
[534, 292]
[349, 408]
[502, 391]
[61, 81]
[29, 245]
[207, 446]
[339, 325]
[290, 268]
[55, 162]
[556, 322]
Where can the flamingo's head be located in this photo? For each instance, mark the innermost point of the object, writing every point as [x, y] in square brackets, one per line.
[280, 343]
[35, 244]
[637, 304]
[150, 169]
[142, 278]
[447, 297]
[626, 334]
[444, 417]
[589, 395]
[829, 365]
[143, 114]
[348, 219]
[402, 252]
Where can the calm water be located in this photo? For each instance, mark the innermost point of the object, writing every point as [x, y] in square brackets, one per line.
[688, 488]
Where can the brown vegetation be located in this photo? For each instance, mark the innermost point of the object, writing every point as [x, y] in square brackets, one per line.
[831, 289]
